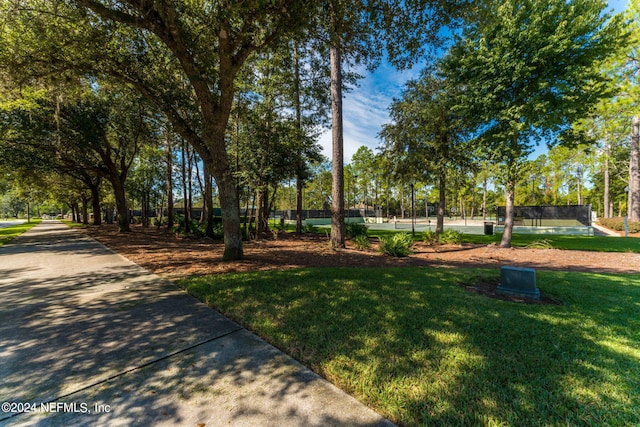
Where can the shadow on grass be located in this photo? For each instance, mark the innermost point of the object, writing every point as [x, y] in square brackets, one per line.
[420, 350]
[108, 334]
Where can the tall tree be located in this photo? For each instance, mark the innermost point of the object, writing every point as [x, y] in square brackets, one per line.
[426, 136]
[83, 131]
[275, 135]
[634, 172]
[528, 70]
[611, 122]
[111, 127]
[364, 31]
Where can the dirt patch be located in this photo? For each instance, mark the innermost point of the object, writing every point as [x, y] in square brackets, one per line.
[174, 256]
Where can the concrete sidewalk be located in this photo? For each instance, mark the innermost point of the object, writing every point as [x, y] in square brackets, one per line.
[89, 338]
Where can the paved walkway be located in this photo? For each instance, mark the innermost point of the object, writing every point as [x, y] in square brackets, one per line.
[89, 338]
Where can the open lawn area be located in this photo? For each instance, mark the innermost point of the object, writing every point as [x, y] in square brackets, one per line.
[9, 233]
[418, 347]
[567, 242]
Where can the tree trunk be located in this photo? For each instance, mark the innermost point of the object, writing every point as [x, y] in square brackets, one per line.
[261, 193]
[95, 201]
[634, 173]
[264, 216]
[169, 179]
[607, 180]
[160, 212]
[109, 215]
[85, 209]
[388, 197]
[442, 200]
[337, 189]
[230, 217]
[95, 205]
[190, 181]
[121, 204]
[484, 199]
[299, 188]
[201, 186]
[185, 189]
[301, 165]
[208, 202]
[508, 218]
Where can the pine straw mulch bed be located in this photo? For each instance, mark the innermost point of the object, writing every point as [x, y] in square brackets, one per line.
[173, 256]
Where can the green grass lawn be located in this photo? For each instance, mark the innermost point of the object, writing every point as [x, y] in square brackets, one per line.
[418, 348]
[557, 241]
[9, 233]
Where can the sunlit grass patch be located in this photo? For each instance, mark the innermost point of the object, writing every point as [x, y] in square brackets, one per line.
[9, 233]
[418, 348]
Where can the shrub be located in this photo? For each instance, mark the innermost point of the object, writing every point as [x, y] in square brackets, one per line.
[218, 231]
[361, 242]
[155, 221]
[309, 228]
[195, 228]
[450, 236]
[618, 224]
[354, 229]
[430, 237]
[398, 244]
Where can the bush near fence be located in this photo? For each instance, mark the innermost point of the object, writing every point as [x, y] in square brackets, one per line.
[618, 224]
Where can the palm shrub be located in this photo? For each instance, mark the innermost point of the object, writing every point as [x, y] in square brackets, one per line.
[398, 244]
[195, 228]
[430, 237]
[361, 242]
[354, 229]
[450, 236]
[447, 236]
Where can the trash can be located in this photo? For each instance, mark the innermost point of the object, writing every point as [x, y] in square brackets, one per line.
[488, 228]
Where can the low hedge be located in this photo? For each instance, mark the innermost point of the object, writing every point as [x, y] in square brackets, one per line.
[618, 224]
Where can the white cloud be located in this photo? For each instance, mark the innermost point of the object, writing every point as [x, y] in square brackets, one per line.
[365, 109]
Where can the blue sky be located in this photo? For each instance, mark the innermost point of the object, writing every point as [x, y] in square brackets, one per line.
[366, 107]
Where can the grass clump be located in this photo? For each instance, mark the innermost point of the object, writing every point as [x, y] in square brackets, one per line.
[398, 245]
[540, 244]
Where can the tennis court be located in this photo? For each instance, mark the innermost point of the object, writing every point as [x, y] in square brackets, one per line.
[475, 226]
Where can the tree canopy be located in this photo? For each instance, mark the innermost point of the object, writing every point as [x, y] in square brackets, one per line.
[527, 71]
